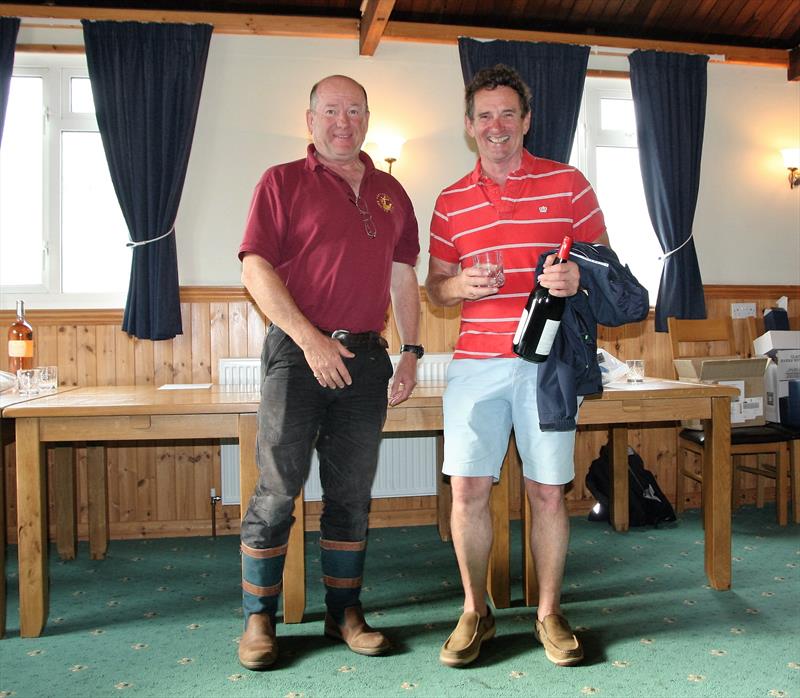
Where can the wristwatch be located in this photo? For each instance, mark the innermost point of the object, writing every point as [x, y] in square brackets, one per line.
[417, 349]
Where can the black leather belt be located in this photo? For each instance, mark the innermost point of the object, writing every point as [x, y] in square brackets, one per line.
[357, 340]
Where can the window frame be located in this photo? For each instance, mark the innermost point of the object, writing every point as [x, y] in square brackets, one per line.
[56, 71]
[590, 136]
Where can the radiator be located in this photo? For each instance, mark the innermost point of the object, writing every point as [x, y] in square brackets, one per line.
[406, 465]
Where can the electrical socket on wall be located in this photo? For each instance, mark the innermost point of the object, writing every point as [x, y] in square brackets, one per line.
[742, 310]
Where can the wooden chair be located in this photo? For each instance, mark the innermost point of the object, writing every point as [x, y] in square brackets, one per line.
[717, 336]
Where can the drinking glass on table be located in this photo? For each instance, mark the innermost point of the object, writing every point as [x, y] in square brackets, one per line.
[635, 370]
[48, 379]
[491, 261]
[28, 381]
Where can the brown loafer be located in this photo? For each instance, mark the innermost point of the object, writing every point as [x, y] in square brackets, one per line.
[258, 648]
[356, 633]
[464, 644]
[560, 644]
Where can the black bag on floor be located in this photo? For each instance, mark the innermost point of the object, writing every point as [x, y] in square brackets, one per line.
[648, 505]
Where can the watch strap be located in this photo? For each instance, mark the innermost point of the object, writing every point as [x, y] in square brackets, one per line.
[417, 349]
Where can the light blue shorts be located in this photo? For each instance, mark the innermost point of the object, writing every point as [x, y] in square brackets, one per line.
[484, 399]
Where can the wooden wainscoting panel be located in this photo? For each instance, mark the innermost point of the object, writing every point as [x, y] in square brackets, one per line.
[237, 329]
[105, 346]
[124, 358]
[164, 489]
[86, 355]
[201, 343]
[46, 347]
[163, 362]
[219, 336]
[144, 362]
[256, 330]
[66, 341]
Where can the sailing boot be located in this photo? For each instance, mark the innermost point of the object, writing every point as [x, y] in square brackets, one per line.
[342, 569]
[262, 580]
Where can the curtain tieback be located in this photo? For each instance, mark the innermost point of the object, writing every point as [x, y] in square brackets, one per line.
[147, 242]
[672, 252]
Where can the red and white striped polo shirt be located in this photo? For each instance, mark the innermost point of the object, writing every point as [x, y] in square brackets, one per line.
[540, 203]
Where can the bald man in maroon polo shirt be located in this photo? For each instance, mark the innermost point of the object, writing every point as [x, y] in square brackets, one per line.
[329, 241]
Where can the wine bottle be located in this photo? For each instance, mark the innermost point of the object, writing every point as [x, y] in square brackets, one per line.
[541, 318]
[20, 342]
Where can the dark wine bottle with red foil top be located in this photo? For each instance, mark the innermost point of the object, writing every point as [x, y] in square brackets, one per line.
[541, 318]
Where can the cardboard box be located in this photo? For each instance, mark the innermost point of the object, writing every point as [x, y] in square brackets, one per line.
[784, 367]
[776, 339]
[745, 374]
[787, 363]
[774, 390]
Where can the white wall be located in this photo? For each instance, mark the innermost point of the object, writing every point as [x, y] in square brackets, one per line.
[747, 225]
[252, 116]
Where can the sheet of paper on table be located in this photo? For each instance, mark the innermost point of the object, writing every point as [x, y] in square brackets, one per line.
[185, 386]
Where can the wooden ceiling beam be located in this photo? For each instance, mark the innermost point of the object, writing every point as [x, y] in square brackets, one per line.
[373, 23]
[449, 33]
[793, 73]
[223, 22]
[326, 27]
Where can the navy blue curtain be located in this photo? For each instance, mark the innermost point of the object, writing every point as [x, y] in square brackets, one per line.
[146, 81]
[9, 27]
[669, 97]
[554, 72]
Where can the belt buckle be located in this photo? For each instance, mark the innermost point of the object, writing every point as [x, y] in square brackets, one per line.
[340, 334]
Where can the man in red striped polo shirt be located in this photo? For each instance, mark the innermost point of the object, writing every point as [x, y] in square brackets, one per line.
[521, 205]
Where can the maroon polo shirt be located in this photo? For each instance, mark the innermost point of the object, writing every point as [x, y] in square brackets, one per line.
[305, 221]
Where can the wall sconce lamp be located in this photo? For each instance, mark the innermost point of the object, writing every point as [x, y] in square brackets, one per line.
[791, 159]
[392, 146]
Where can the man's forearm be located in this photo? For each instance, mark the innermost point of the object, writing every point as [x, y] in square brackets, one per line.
[441, 289]
[405, 302]
[273, 298]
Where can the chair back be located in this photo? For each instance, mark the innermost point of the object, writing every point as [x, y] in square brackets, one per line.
[710, 337]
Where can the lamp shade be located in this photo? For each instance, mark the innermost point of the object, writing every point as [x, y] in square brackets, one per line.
[791, 157]
[392, 145]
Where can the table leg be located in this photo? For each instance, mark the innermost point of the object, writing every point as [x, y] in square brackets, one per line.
[4, 424]
[64, 502]
[31, 528]
[248, 468]
[294, 575]
[618, 449]
[781, 495]
[97, 500]
[444, 500]
[498, 583]
[794, 473]
[294, 571]
[717, 493]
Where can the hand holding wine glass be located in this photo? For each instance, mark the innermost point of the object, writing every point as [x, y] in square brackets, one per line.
[490, 261]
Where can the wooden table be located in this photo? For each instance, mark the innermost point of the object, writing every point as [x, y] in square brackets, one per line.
[657, 400]
[115, 413]
[96, 415]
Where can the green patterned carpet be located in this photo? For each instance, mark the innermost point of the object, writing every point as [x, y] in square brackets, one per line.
[162, 618]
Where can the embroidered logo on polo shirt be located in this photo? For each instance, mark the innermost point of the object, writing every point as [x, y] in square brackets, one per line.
[385, 202]
[542, 209]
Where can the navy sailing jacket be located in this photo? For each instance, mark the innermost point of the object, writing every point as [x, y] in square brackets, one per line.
[610, 295]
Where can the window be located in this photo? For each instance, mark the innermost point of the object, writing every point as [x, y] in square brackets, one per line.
[62, 234]
[606, 152]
